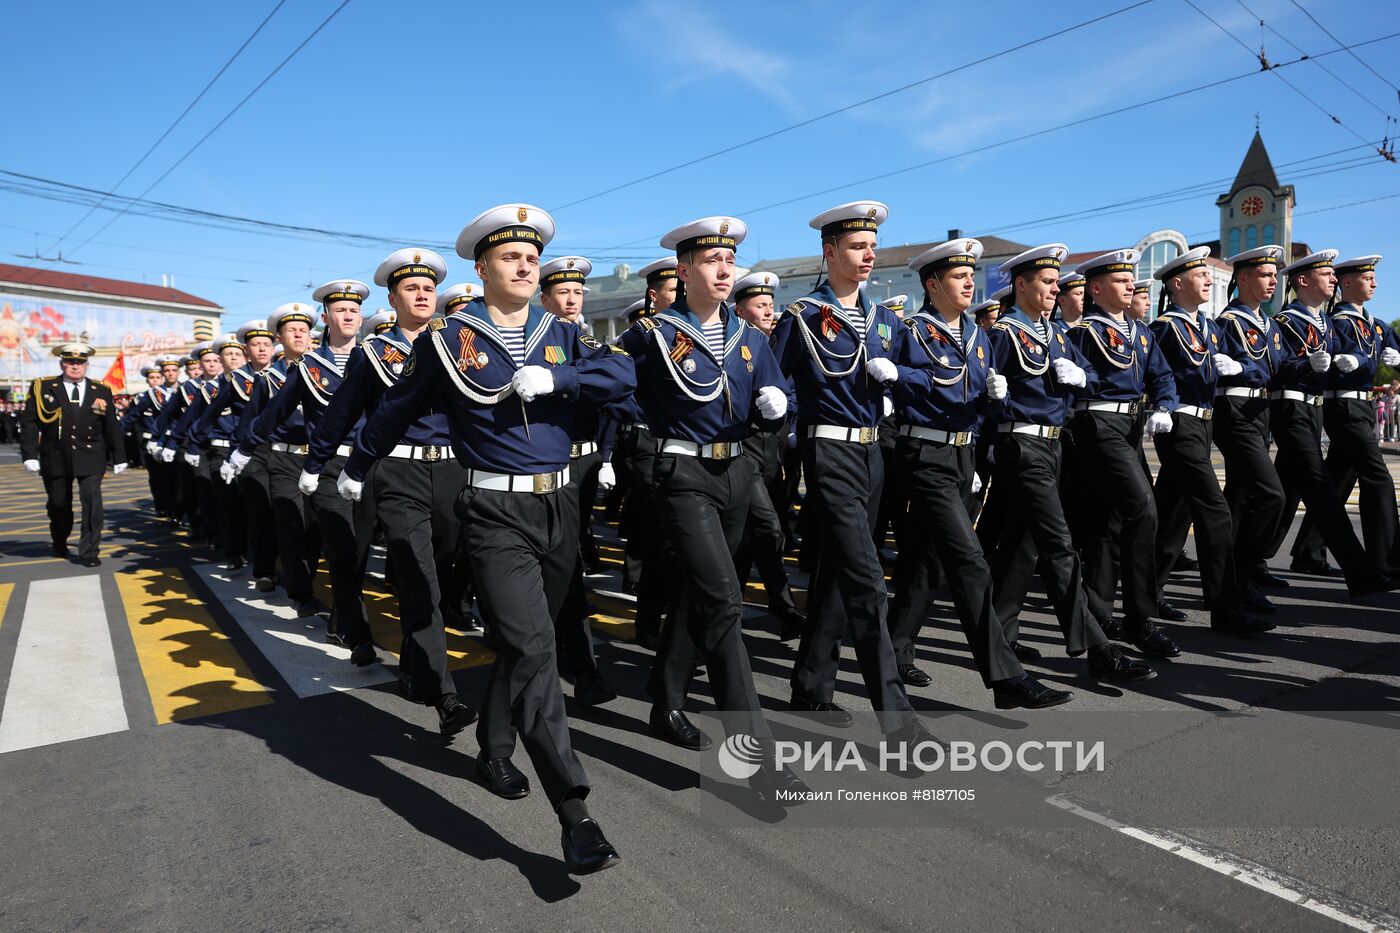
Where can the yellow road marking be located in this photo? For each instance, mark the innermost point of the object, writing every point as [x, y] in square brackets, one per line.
[190, 666]
[463, 651]
[5, 590]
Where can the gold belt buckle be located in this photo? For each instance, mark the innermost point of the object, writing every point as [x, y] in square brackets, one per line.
[432, 454]
[575, 451]
[1052, 433]
[545, 482]
[719, 450]
[867, 435]
[962, 439]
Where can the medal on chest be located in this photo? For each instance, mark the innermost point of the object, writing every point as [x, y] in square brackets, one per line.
[830, 326]
[469, 355]
[748, 358]
[884, 331]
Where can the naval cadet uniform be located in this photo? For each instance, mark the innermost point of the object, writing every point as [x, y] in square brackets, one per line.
[213, 437]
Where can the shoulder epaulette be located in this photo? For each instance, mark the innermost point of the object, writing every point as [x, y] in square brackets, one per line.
[646, 323]
[437, 323]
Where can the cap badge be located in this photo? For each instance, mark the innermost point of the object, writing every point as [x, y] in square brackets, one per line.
[521, 215]
[767, 280]
[871, 213]
[417, 257]
[571, 263]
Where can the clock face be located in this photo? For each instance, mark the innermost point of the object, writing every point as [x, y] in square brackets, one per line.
[1252, 205]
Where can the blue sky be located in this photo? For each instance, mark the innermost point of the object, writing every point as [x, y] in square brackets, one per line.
[405, 120]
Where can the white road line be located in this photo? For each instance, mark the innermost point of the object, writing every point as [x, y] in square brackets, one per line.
[308, 664]
[64, 649]
[1280, 884]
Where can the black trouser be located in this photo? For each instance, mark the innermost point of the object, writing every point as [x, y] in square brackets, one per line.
[938, 479]
[844, 480]
[186, 482]
[1188, 493]
[233, 527]
[525, 547]
[335, 517]
[1119, 521]
[255, 487]
[1355, 454]
[163, 489]
[893, 505]
[1025, 492]
[205, 506]
[586, 478]
[1252, 486]
[415, 502]
[1297, 429]
[703, 505]
[762, 544]
[646, 560]
[298, 541]
[572, 633]
[155, 478]
[59, 490]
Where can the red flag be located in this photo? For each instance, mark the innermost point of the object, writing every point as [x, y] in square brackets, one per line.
[116, 375]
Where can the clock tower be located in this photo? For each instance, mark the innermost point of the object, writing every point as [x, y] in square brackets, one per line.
[1257, 210]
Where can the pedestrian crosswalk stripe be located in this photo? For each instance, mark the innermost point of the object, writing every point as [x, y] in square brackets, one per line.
[64, 647]
[190, 666]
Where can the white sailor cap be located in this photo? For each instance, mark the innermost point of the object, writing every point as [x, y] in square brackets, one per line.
[755, 284]
[850, 217]
[1321, 259]
[565, 269]
[201, 348]
[73, 352]
[278, 351]
[1359, 264]
[1263, 256]
[1191, 259]
[318, 335]
[341, 290]
[587, 291]
[407, 262]
[706, 233]
[1002, 295]
[292, 312]
[167, 359]
[896, 303]
[1118, 260]
[147, 370]
[982, 307]
[1048, 256]
[654, 272]
[226, 341]
[379, 322]
[507, 223]
[964, 251]
[1072, 280]
[255, 329]
[635, 308]
[1142, 285]
[453, 297]
[188, 358]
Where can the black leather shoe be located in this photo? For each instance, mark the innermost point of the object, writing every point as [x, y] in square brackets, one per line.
[791, 625]
[827, 713]
[1170, 613]
[590, 689]
[265, 585]
[363, 654]
[310, 607]
[1266, 577]
[1374, 586]
[1113, 628]
[236, 564]
[453, 714]
[673, 726]
[586, 850]
[1185, 564]
[1237, 622]
[912, 734]
[60, 550]
[778, 785]
[1024, 651]
[1154, 643]
[1025, 691]
[92, 561]
[914, 677]
[502, 777]
[1256, 600]
[594, 568]
[1108, 662]
[1317, 568]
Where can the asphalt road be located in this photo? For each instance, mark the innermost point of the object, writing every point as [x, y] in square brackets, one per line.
[176, 751]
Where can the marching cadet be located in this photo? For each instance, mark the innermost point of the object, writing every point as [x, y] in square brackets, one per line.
[1307, 340]
[69, 432]
[764, 538]
[286, 447]
[207, 445]
[1045, 373]
[894, 504]
[1188, 492]
[378, 322]
[411, 488]
[984, 313]
[1349, 419]
[937, 437]
[1142, 300]
[1069, 305]
[137, 420]
[838, 349]
[186, 496]
[178, 438]
[1108, 447]
[508, 376]
[223, 420]
[191, 363]
[163, 475]
[703, 377]
[562, 295]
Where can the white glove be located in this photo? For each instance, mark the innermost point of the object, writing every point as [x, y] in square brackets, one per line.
[192, 459]
[307, 483]
[1390, 356]
[976, 483]
[607, 477]
[1067, 371]
[167, 455]
[881, 370]
[32, 466]
[352, 488]
[118, 468]
[152, 448]
[886, 407]
[996, 385]
[1321, 361]
[1346, 363]
[1226, 366]
[228, 472]
[1159, 423]
[238, 460]
[532, 381]
[772, 402]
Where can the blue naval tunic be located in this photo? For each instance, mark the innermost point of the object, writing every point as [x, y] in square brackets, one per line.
[290, 431]
[1033, 395]
[958, 366]
[1302, 336]
[1129, 364]
[222, 416]
[1254, 342]
[1188, 342]
[1356, 332]
[311, 382]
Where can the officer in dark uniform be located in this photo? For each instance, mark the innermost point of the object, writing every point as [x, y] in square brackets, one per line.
[69, 432]
[934, 463]
[838, 349]
[1108, 447]
[508, 376]
[1348, 416]
[1188, 492]
[1044, 373]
